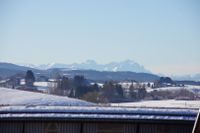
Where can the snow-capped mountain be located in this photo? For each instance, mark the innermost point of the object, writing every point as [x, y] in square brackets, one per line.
[127, 65]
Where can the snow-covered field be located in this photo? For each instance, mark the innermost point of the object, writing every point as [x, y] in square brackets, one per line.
[43, 84]
[64, 107]
[19, 97]
[167, 103]
[162, 104]
[192, 88]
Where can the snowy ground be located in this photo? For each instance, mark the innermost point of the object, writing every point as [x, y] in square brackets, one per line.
[167, 103]
[43, 84]
[162, 104]
[19, 97]
[64, 107]
[192, 88]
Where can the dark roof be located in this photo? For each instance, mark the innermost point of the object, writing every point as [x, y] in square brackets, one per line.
[96, 113]
[196, 128]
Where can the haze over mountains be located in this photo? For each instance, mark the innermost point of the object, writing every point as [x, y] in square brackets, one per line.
[123, 66]
[127, 65]
[90, 69]
[127, 69]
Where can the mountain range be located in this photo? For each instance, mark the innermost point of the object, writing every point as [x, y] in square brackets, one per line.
[127, 65]
[124, 70]
[9, 69]
[89, 69]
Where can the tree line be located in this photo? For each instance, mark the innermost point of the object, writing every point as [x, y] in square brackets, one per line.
[111, 91]
[79, 87]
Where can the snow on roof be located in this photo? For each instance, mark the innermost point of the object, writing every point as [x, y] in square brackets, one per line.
[19, 97]
[4, 81]
[97, 112]
[43, 84]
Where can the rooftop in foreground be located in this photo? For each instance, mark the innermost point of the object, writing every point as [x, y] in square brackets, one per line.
[96, 113]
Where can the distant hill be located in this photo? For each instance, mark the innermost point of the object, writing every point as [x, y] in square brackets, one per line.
[9, 69]
[105, 75]
[127, 65]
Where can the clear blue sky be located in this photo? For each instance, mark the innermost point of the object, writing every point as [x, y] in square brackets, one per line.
[164, 36]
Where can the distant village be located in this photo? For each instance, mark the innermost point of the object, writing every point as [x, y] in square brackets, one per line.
[100, 92]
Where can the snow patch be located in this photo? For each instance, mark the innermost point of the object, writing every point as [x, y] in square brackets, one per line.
[19, 97]
[162, 104]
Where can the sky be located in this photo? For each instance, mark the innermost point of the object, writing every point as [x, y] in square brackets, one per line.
[163, 36]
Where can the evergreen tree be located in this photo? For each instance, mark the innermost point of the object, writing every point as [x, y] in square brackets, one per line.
[29, 78]
[79, 81]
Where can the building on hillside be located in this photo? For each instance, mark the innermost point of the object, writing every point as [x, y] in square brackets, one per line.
[4, 83]
[42, 78]
[10, 83]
